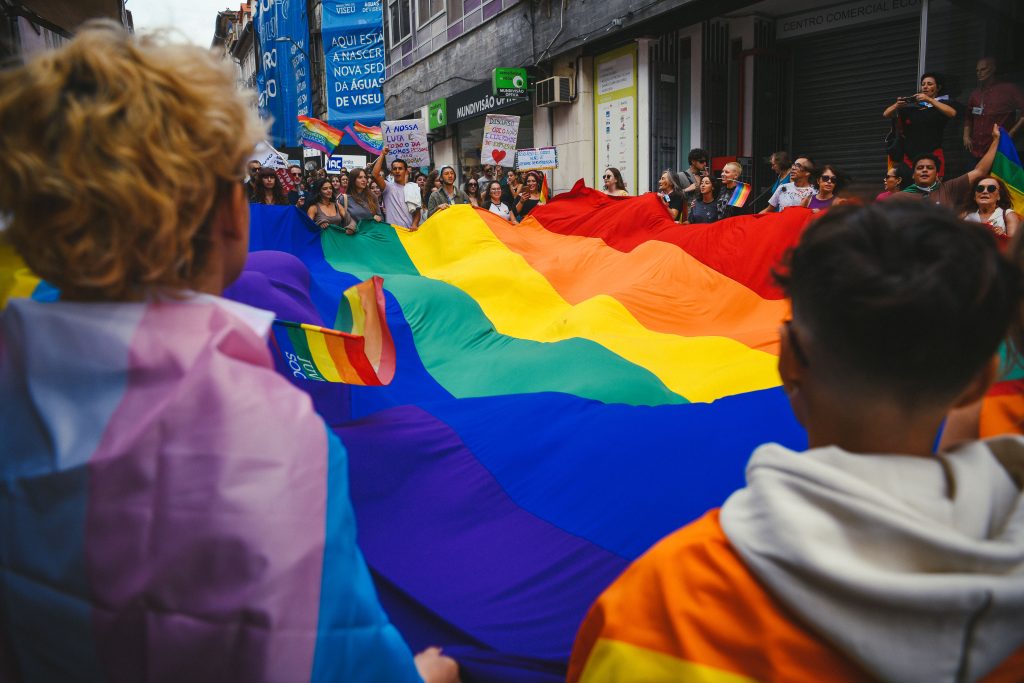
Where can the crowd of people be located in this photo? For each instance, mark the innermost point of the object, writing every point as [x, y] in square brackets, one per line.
[695, 196]
[340, 200]
[870, 555]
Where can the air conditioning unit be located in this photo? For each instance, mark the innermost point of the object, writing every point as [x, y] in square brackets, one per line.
[554, 91]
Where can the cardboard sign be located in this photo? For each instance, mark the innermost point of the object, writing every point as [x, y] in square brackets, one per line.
[500, 134]
[406, 140]
[536, 158]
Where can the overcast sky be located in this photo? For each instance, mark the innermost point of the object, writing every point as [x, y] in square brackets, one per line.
[193, 18]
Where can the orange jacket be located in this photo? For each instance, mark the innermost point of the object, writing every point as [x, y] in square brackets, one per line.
[689, 609]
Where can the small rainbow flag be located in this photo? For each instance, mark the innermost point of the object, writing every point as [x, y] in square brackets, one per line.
[369, 138]
[318, 135]
[740, 195]
[1007, 167]
[545, 191]
[363, 354]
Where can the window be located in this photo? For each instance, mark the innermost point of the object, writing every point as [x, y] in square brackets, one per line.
[454, 8]
[426, 10]
[399, 20]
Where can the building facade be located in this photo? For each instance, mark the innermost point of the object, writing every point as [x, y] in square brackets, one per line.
[31, 26]
[233, 34]
[645, 82]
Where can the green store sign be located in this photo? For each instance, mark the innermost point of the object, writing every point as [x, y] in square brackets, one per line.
[437, 114]
[508, 82]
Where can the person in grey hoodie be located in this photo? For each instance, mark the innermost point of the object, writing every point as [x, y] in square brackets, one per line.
[869, 556]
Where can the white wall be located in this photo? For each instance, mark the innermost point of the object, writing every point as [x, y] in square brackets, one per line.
[571, 128]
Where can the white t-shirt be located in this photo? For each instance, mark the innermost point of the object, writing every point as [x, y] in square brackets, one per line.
[997, 220]
[789, 194]
[502, 210]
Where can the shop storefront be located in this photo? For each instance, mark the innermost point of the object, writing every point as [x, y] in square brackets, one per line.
[466, 112]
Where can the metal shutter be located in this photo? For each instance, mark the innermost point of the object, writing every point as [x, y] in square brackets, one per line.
[842, 81]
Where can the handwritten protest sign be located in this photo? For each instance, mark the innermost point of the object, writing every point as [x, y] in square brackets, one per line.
[268, 156]
[536, 158]
[406, 140]
[500, 134]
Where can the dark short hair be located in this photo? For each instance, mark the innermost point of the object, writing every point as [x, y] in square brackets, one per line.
[698, 154]
[904, 173]
[842, 178]
[782, 158]
[900, 298]
[928, 155]
[400, 161]
[939, 80]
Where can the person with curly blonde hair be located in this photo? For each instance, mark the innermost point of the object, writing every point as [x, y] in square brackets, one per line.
[172, 507]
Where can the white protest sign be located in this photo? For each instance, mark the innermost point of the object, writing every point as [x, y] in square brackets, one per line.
[347, 161]
[500, 134]
[406, 140]
[268, 156]
[536, 158]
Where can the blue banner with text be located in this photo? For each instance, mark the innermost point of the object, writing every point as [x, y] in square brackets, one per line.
[353, 36]
[282, 39]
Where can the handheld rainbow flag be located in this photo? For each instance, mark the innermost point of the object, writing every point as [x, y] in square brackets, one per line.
[369, 138]
[740, 195]
[362, 355]
[545, 191]
[318, 135]
[1007, 167]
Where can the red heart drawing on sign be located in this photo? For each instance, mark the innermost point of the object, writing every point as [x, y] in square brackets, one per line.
[498, 155]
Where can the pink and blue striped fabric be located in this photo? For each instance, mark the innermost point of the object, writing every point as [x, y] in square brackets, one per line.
[171, 508]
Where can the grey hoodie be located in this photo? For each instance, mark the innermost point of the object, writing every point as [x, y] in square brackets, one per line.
[914, 567]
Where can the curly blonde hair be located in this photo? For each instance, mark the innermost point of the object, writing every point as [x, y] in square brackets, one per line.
[115, 150]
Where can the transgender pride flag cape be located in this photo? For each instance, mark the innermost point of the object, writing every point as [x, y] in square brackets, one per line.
[171, 508]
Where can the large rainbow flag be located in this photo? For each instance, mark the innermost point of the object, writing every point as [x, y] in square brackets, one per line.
[568, 391]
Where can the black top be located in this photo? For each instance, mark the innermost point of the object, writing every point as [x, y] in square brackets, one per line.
[923, 127]
[527, 207]
[675, 201]
[703, 212]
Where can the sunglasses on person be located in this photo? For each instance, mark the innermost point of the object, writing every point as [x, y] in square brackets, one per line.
[607, 177]
[471, 185]
[986, 188]
[828, 179]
